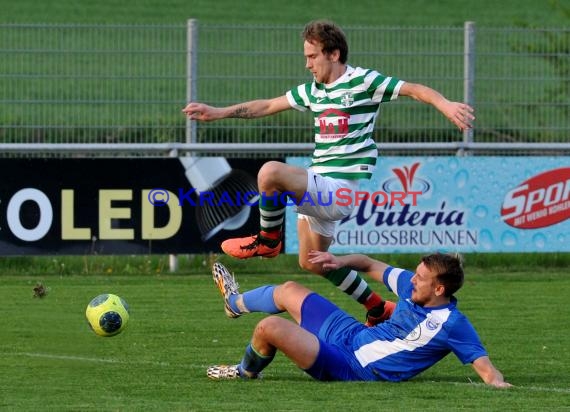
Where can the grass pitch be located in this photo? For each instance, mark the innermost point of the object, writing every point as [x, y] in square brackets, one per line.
[52, 361]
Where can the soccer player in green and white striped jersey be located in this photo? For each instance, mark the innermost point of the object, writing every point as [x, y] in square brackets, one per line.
[344, 101]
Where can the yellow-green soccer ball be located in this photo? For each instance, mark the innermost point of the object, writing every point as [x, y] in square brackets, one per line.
[107, 314]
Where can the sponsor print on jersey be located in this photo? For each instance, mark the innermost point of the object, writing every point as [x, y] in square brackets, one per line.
[333, 124]
[541, 201]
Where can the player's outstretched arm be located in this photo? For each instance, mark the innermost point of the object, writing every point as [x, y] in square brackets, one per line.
[490, 375]
[460, 114]
[362, 263]
[246, 110]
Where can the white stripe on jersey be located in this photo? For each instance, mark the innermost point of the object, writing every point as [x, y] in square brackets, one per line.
[320, 170]
[294, 104]
[380, 349]
[393, 279]
[379, 93]
[335, 152]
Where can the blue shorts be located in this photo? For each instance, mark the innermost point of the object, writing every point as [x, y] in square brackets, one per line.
[334, 329]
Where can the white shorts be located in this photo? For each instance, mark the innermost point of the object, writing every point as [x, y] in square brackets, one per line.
[325, 208]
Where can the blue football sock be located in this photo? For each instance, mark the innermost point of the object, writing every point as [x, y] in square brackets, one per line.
[256, 300]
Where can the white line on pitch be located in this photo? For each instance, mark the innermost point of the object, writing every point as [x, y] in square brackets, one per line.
[86, 359]
[527, 388]
[100, 360]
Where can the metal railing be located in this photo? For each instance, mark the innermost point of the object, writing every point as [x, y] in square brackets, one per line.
[83, 87]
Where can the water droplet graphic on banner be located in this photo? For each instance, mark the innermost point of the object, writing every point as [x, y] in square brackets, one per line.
[539, 240]
[461, 178]
[486, 239]
[481, 211]
[509, 238]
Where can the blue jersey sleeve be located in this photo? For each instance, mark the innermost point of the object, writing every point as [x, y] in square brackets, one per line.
[464, 341]
[398, 281]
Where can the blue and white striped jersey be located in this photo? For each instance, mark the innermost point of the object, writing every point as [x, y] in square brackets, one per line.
[415, 337]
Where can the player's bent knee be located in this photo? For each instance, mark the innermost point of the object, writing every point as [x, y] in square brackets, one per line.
[288, 294]
[290, 286]
[268, 327]
[306, 265]
[269, 172]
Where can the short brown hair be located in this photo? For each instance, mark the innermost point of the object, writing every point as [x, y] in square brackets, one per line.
[329, 35]
[449, 269]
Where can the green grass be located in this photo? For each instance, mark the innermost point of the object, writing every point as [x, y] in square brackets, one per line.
[52, 361]
[49, 360]
[110, 265]
[345, 12]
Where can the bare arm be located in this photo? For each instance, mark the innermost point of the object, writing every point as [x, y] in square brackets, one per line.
[246, 110]
[373, 268]
[460, 114]
[488, 373]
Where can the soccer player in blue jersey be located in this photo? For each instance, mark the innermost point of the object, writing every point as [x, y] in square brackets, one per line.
[331, 345]
[344, 101]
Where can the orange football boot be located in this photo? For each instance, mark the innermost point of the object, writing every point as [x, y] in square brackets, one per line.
[251, 246]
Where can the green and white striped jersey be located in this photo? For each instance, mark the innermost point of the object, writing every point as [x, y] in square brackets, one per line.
[345, 112]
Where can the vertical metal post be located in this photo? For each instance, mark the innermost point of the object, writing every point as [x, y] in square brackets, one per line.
[191, 94]
[191, 73]
[173, 263]
[468, 73]
[173, 259]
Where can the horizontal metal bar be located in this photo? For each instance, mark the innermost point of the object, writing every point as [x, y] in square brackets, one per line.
[165, 148]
